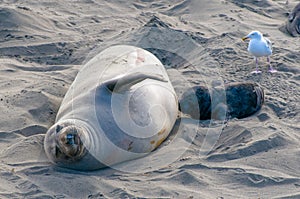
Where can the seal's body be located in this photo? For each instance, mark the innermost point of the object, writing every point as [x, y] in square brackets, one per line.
[121, 106]
[233, 100]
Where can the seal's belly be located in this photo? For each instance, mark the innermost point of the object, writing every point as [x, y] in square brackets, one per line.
[137, 121]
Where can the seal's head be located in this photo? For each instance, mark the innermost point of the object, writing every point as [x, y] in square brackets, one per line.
[293, 23]
[65, 143]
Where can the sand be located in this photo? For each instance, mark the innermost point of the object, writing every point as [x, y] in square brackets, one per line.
[43, 44]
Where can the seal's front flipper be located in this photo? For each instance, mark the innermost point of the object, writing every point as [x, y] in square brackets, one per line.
[124, 82]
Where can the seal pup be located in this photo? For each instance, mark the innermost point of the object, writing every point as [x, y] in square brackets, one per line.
[241, 100]
[259, 46]
[121, 106]
[293, 22]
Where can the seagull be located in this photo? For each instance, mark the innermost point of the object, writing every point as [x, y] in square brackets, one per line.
[259, 47]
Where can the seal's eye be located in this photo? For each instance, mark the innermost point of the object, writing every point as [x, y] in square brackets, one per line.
[58, 128]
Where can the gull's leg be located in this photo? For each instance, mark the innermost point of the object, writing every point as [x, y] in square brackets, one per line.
[256, 64]
[271, 70]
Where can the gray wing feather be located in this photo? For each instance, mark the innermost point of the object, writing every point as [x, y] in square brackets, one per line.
[269, 43]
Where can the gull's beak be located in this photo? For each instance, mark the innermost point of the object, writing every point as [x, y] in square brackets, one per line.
[245, 38]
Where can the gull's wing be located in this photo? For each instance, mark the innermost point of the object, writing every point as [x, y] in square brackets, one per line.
[269, 43]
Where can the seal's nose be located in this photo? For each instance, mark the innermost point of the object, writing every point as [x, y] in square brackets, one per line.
[70, 139]
[69, 145]
[69, 142]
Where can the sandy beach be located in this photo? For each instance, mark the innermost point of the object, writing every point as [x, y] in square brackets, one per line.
[43, 45]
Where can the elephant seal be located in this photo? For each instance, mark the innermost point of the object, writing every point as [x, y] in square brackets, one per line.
[292, 25]
[234, 100]
[121, 106]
